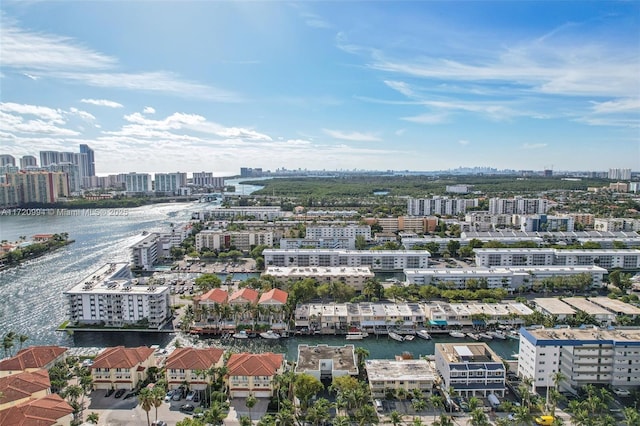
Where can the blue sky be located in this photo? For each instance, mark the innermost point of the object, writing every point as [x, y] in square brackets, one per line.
[421, 85]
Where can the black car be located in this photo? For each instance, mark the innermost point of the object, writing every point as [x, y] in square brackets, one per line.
[119, 393]
[130, 395]
[110, 392]
[187, 407]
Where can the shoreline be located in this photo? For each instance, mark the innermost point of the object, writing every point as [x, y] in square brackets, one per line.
[36, 256]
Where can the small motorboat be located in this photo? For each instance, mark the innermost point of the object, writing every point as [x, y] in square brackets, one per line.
[409, 337]
[485, 336]
[457, 334]
[423, 334]
[272, 335]
[473, 336]
[242, 334]
[396, 336]
[356, 335]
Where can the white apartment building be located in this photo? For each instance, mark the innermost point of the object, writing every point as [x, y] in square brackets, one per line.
[349, 231]
[470, 369]
[318, 243]
[111, 297]
[583, 355]
[254, 212]
[241, 240]
[509, 278]
[518, 205]
[439, 205]
[207, 180]
[156, 246]
[380, 260]
[406, 374]
[137, 182]
[353, 277]
[170, 183]
[543, 222]
[608, 259]
[616, 224]
[619, 174]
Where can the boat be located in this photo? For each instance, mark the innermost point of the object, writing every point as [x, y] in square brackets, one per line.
[473, 336]
[457, 334]
[423, 334]
[270, 335]
[356, 335]
[240, 335]
[485, 336]
[498, 335]
[409, 337]
[396, 336]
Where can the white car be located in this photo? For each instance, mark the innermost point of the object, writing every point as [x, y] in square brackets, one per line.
[190, 395]
[621, 392]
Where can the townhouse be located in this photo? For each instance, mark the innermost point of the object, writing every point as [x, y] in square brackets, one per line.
[32, 359]
[46, 411]
[470, 369]
[121, 368]
[193, 367]
[253, 374]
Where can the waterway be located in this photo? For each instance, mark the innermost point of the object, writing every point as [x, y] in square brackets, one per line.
[32, 294]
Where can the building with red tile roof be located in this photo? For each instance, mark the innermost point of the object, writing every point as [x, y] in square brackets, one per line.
[31, 359]
[48, 411]
[244, 296]
[121, 368]
[21, 387]
[253, 374]
[189, 365]
[215, 295]
[274, 297]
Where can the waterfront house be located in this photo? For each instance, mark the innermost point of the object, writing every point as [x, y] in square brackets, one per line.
[404, 375]
[192, 367]
[208, 306]
[326, 362]
[22, 387]
[241, 301]
[32, 359]
[273, 302]
[121, 368]
[47, 411]
[253, 374]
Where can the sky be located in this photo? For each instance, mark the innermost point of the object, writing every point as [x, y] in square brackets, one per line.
[164, 86]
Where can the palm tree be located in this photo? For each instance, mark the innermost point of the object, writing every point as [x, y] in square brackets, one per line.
[21, 339]
[631, 417]
[245, 421]
[479, 418]
[319, 412]
[419, 404]
[437, 402]
[525, 391]
[366, 415]
[215, 414]
[341, 421]
[417, 422]
[444, 420]
[395, 418]
[72, 393]
[146, 401]
[250, 402]
[157, 397]
[522, 415]
[93, 418]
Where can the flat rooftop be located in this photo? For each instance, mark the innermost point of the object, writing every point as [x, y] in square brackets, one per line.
[467, 352]
[615, 305]
[314, 358]
[631, 334]
[554, 306]
[586, 306]
[113, 278]
[318, 271]
[410, 369]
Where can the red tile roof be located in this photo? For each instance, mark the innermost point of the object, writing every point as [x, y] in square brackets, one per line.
[32, 357]
[121, 357]
[23, 385]
[274, 296]
[194, 359]
[40, 412]
[246, 364]
[245, 295]
[215, 295]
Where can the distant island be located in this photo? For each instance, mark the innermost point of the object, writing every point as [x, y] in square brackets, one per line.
[14, 253]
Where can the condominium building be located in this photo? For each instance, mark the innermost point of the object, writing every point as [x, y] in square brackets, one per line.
[137, 182]
[224, 240]
[417, 224]
[518, 205]
[326, 362]
[89, 165]
[248, 212]
[608, 259]
[443, 206]
[510, 277]
[349, 231]
[379, 260]
[616, 224]
[254, 374]
[27, 161]
[207, 180]
[6, 159]
[318, 243]
[154, 247]
[121, 368]
[110, 296]
[471, 369]
[38, 187]
[193, 366]
[354, 277]
[408, 374]
[619, 174]
[543, 222]
[170, 183]
[583, 355]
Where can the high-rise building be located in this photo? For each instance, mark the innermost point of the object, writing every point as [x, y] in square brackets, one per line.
[89, 167]
[619, 174]
[206, 179]
[7, 160]
[137, 182]
[518, 205]
[28, 161]
[170, 182]
[440, 206]
[39, 187]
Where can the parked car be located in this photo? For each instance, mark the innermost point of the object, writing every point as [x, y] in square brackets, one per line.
[158, 423]
[621, 392]
[190, 395]
[187, 407]
[119, 393]
[177, 395]
[196, 397]
[168, 396]
[110, 392]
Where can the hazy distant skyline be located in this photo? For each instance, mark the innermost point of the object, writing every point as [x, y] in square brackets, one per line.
[422, 85]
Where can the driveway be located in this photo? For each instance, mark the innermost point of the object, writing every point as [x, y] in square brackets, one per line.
[257, 411]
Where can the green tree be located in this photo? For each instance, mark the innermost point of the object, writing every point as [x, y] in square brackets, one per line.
[395, 418]
[361, 242]
[319, 412]
[145, 397]
[452, 247]
[631, 417]
[93, 418]
[250, 402]
[206, 282]
[306, 387]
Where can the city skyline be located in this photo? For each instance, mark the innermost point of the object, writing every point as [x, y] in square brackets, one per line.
[374, 86]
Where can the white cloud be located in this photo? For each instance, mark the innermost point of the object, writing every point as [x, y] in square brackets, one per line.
[401, 87]
[102, 102]
[617, 105]
[534, 145]
[352, 136]
[31, 76]
[463, 142]
[436, 118]
[82, 114]
[148, 110]
[46, 113]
